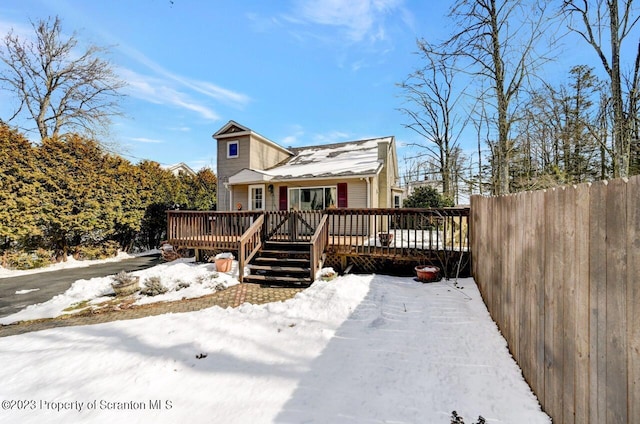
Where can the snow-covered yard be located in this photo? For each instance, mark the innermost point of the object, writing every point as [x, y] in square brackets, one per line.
[182, 279]
[358, 349]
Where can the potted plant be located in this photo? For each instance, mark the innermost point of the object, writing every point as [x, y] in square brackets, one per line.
[125, 284]
[385, 238]
[427, 273]
[327, 274]
[223, 261]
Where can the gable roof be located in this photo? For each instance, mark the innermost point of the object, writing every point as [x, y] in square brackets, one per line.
[358, 158]
[232, 129]
[353, 158]
[179, 167]
[249, 176]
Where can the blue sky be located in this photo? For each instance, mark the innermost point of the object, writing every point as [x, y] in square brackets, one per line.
[300, 72]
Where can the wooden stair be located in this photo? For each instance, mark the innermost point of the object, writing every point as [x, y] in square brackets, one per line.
[281, 264]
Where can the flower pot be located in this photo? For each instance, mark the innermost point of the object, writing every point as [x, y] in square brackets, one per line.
[223, 265]
[385, 239]
[328, 277]
[127, 288]
[427, 273]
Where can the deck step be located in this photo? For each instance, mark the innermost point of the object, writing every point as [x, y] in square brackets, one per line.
[280, 269]
[277, 280]
[262, 260]
[283, 253]
[287, 245]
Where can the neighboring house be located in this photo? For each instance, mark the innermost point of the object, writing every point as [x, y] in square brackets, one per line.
[255, 173]
[180, 168]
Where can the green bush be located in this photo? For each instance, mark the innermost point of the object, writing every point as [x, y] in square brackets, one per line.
[108, 249]
[153, 287]
[28, 260]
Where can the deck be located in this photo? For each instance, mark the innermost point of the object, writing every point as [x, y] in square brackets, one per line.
[364, 238]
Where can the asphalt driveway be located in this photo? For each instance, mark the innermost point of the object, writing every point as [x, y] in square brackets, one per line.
[52, 283]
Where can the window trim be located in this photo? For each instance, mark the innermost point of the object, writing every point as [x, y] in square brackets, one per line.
[229, 143]
[251, 199]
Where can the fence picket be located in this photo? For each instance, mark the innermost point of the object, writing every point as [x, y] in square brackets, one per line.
[633, 297]
[565, 290]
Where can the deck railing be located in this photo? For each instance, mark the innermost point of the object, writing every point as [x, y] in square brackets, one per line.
[440, 235]
[291, 225]
[318, 244]
[208, 229]
[250, 244]
[398, 232]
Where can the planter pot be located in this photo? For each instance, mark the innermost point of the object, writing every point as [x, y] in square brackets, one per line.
[223, 265]
[385, 239]
[427, 273]
[127, 288]
[328, 277]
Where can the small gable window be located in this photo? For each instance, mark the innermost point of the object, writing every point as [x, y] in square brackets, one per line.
[232, 149]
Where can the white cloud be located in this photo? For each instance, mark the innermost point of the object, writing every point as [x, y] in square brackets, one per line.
[361, 19]
[145, 140]
[299, 137]
[23, 31]
[330, 137]
[158, 91]
[203, 87]
[294, 137]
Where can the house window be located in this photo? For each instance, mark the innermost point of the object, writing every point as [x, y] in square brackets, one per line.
[232, 149]
[256, 197]
[312, 198]
[396, 201]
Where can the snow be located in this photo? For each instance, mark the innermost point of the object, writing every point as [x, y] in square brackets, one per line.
[26, 291]
[224, 255]
[358, 157]
[71, 263]
[358, 349]
[202, 279]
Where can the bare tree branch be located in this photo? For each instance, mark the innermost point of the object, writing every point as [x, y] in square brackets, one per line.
[57, 88]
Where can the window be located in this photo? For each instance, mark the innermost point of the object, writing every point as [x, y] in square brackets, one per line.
[312, 199]
[256, 197]
[396, 201]
[232, 149]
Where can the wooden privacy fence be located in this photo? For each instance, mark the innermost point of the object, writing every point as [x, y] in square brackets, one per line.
[559, 271]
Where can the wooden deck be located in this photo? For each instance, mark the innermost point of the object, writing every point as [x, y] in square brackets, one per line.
[438, 236]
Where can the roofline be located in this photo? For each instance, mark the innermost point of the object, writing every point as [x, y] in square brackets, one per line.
[247, 131]
[344, 143]
[335, 177]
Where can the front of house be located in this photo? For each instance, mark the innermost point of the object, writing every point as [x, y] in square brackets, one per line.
[255, 173]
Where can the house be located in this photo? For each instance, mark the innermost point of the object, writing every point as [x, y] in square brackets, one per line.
[255, 173]
[180, 168]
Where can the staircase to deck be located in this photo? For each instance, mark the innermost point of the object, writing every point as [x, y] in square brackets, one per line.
[281, 263]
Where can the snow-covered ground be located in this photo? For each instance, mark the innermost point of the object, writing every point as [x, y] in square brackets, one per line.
[358, 349]
[182, 278]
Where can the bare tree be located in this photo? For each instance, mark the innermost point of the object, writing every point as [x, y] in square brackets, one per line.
[598, 21]
[431, 103]
[56, 86]
[496, 43]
